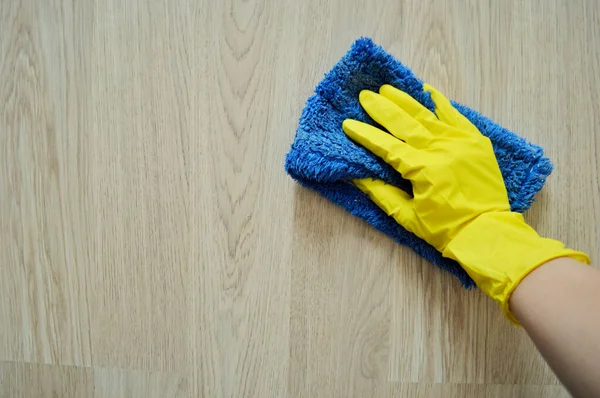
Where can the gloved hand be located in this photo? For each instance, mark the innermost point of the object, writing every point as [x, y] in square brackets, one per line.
[459, 203]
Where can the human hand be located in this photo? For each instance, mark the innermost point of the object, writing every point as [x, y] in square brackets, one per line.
[459, 203]
[451, 165]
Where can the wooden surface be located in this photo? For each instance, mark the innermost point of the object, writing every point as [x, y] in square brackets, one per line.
[152, 245]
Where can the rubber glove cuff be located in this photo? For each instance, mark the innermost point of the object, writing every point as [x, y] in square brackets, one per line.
[498, 250]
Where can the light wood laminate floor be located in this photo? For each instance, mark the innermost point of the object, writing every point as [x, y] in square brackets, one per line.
[152, 245]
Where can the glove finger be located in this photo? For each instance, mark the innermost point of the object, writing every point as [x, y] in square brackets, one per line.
[398, 154]
[447, 113]
[392, 200]
[414, 108]
[408, 103]
[395, 119]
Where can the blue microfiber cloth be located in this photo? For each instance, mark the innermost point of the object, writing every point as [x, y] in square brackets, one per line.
[324, 159]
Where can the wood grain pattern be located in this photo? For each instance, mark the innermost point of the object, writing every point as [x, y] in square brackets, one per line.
[39, 380]
[152, 244]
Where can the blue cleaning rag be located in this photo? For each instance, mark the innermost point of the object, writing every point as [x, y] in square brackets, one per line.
[324, 159]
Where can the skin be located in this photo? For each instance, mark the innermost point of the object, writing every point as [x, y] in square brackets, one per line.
[558, 305]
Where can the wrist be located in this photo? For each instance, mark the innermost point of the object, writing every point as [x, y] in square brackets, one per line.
[550, 278]
[499, 249]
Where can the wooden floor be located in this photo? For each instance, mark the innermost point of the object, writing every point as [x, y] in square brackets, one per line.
[152, 245]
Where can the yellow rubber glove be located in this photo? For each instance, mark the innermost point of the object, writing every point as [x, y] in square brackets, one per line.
[459, 203]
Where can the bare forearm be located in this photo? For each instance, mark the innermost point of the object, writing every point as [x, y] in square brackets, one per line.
[558, 304]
